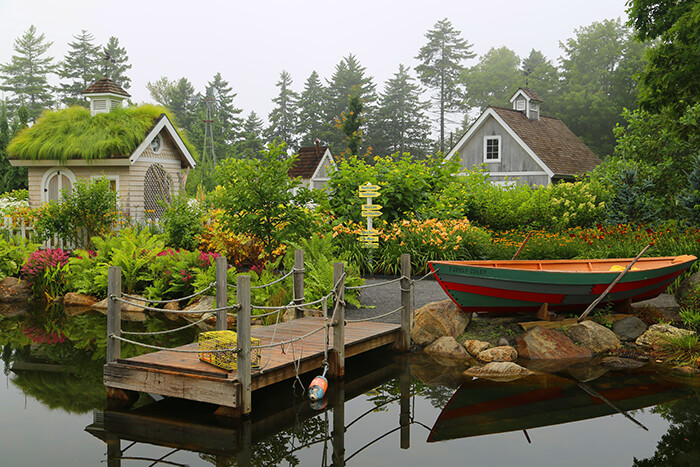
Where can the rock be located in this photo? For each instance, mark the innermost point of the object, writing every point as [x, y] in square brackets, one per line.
[504, 353]
[447, 347]
[665, 304]
[593, 336]
[586, 371]
[503, 341]
[686, 370]
[128, 312]
[540, 343]
[14, 309]
[14, 290]
[498, 371]
[474, 347]
[629, 328]
[658, 334]
[427, 370]
[619, 363]
[174, 306]
[78, 299]
[76, 310]
[204, 303]
[436, 320]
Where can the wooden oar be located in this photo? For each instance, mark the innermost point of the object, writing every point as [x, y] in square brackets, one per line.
[595, 393]
[522, 245]
[617, 279]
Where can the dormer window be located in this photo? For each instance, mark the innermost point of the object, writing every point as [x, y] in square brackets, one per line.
[520, 105]
[492, 149]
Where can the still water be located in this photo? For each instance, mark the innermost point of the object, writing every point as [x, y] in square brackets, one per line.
[398, 411]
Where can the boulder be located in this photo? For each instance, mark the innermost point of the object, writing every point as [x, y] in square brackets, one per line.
[78, 299]
[498, 371]
[629, 328]
[474, 347]
[503, 341]
[620, 363]
[447, 347]
[540, 343]
[658, 334]
[174, 306]
[504, 353]
[76, 310]
[128, 312]
[436, 320]
[14, 290]
[593, 336]
[430, 371]
[665, 304]
[587, 370]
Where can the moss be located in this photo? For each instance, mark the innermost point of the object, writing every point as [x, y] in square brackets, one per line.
[74, 134]
[485, 329]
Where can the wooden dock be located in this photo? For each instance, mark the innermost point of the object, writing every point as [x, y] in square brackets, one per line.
[183, 375]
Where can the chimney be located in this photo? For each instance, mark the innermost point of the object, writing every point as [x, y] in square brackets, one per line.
[318, 148]
[527, 102]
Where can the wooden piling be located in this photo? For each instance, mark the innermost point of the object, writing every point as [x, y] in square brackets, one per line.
[221, 293]
[407, 309]
[298, 276]
[337, 363]
[338, 433]
[243, 328]
[114, 313]
[405, 404]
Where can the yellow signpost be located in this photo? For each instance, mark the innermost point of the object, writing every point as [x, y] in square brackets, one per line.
[370, 237]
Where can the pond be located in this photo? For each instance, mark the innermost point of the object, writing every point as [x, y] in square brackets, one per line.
[397, 410]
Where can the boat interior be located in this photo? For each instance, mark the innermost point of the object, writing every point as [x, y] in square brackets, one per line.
[579, 265]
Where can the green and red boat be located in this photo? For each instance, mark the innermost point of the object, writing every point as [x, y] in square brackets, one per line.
[564, 285]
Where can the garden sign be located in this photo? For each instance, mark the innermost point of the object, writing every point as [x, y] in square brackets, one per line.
[370, 237]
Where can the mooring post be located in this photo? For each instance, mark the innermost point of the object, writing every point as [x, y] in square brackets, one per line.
[404, 344]
[298, 283]
[221, 293]
[114, 312]
[243, 327]
[338, 433]
[405, 404]
[337, 363]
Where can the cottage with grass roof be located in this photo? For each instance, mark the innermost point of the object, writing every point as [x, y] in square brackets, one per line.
[137, 149]
[521, 146]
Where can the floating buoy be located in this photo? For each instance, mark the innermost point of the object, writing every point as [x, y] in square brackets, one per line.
[318, 388]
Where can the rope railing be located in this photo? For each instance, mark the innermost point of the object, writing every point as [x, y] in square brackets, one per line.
[291, 304]
[168, 331]
[378, 284]
[181, 312]
[374, 317]
[169, 349]
[294, 339]
[174, 300]
[280, 279]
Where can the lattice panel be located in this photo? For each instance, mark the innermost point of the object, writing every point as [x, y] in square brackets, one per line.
[157, 191]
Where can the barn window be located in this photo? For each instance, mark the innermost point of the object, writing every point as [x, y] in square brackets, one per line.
[492, 149]
[157, 191]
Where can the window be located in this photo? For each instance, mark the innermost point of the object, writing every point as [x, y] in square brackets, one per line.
[520, 104]
[492, 149]
[54, 182]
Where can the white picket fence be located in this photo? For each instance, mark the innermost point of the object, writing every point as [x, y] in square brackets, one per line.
[24, 228]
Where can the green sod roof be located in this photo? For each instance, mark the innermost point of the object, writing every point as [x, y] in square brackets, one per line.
[74, 134]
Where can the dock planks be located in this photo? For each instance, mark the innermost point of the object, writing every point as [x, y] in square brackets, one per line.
[184, 375]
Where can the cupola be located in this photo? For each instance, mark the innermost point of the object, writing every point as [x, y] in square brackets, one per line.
[104, 96]
[527, 102]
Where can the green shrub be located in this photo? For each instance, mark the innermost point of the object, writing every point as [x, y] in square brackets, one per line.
[13, 253]
[182, 223]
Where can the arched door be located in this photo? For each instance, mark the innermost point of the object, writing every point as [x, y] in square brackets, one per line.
[56, 181]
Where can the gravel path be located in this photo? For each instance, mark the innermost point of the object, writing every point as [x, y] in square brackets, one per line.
[383, 299]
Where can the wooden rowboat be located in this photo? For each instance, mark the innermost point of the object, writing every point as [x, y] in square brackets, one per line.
[524, 286]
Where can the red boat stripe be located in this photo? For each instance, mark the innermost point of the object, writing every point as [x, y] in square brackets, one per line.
[509, 294]
[531, 397]
[624, 286]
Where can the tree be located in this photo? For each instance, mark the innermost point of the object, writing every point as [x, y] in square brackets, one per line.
[26, 74]
[284, 117]
[260, 199]
[80, 68]
[179, 98]
[11, 178]
[441, 66]
[227, 122]
[311, 110]
[349, 78]
[251, 142]
[117, 63]
[540, 75]
[493, 80]
[598, 69]
[401, 121]
[671, 74]
[350, 123]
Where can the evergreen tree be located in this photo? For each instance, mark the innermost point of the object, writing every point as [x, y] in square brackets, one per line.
[251, 142]
[349, 78]
[441, 66]
[284, 117]
[401, 121]
[116, 63]
[80, 68]
[631, 204]
[689, 198]
[351, 121]
[493, 80]
[25, 75]
[11, 178]
[311, 110]
[540, 75]
[227, 122]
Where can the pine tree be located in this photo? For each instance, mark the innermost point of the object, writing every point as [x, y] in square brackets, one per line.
[25, 76]
[401, 121]
[493, 80]
[284, 117]
[631, 203]
[689, 198]
[11, 178]
[116, 63]
[80, 68]
[351, 121]
[441, 66]
[251, 142]
[227, 122]
[349, 78]
[540, 75]
[311, 111]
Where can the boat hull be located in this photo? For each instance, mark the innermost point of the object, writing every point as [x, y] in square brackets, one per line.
[514, 286]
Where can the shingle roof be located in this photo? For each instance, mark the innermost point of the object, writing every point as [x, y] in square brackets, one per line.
[532, 94]
[552, 142]
[306, 163]
[106, 85]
